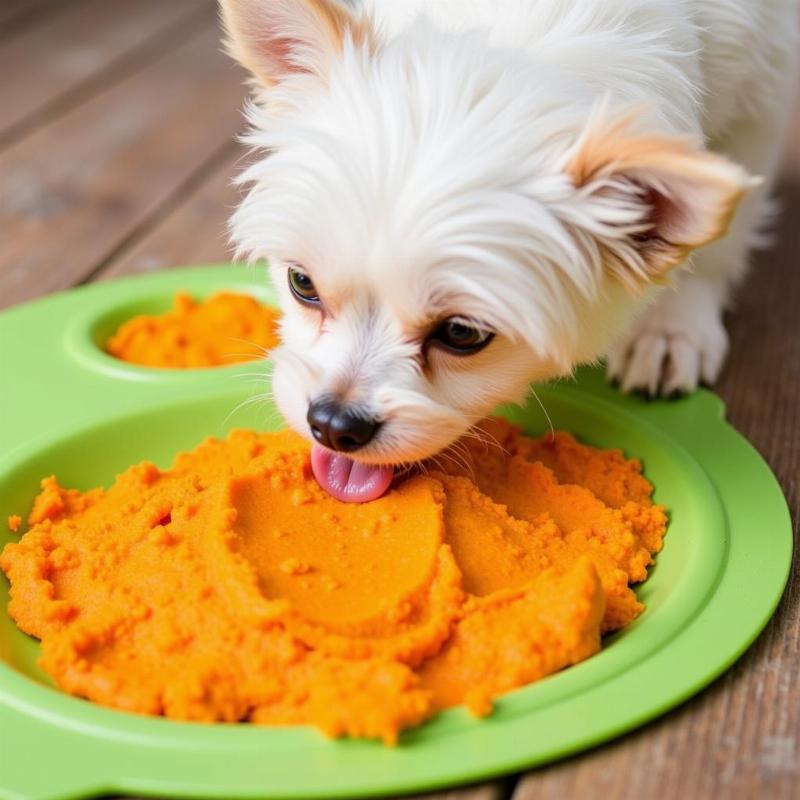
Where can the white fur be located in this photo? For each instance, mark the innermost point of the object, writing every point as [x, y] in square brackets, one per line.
[428, 176]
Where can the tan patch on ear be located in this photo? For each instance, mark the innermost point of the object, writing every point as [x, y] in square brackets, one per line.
[699, 190]
[341, 21]
[234, 19]
[659, 257]
[245, 21]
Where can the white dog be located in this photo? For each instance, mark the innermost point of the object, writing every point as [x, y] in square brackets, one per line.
[460, 197]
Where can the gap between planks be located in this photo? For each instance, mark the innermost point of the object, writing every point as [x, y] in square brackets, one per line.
[196, 180]
[18, 15]
[75, 189]
[97, 44]
[194, 231]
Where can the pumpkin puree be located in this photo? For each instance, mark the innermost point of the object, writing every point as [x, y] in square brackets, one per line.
[232, 587]
[224, 329]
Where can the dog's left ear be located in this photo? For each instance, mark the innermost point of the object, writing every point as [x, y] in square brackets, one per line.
[274, 39]
[653, 198]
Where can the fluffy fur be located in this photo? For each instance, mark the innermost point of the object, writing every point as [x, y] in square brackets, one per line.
[538, 168]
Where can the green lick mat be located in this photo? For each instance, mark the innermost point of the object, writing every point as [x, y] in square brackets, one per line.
[69, 409]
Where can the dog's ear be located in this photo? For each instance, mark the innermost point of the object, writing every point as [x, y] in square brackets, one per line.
[652, 198]
[277, 38]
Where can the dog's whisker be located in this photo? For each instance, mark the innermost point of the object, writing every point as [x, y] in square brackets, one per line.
[468, 462]
[437, 462]
[236, 358]
[547, 416]
[459, 454]
[489, 438]
[419, 465]
[249, 376]
[248, 401]
[434, 460]
[485, 438]
[258, 384]
[260, 347]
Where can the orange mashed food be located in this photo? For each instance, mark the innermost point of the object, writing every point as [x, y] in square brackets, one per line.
[232, 587]
[224, 329]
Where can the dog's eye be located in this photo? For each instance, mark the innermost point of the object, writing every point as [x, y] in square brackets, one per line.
[460, 337]
[302, 287]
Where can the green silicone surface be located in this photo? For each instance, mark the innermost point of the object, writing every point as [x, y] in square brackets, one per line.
[69, 409]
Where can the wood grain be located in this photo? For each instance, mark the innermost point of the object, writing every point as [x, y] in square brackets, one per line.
[17, 15]
[194, 231]
[123, 166]
[77, 187]
[487, 791]
[91, 42]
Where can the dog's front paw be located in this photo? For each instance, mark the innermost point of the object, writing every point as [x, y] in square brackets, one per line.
[670, 350]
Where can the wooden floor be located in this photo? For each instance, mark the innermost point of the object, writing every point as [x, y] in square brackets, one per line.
[117, 125]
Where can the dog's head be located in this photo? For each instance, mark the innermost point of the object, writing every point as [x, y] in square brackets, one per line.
[445, 221]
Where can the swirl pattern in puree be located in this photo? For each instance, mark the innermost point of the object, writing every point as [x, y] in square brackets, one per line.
[231, 587]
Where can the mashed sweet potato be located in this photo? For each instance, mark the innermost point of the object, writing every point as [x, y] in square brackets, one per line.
[224, 329]
[232, 587]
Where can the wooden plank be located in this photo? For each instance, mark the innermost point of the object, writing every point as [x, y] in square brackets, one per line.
[16, 15]
[75, 189]
[739, 739]
[193, 232]
[487, 791]
[11, 9]
[84, 47]
[99, 181]
[792, 148]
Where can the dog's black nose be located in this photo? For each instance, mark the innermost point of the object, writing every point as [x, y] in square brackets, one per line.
[337, 427]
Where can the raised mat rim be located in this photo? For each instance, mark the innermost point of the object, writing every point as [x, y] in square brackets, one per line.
[103, 751]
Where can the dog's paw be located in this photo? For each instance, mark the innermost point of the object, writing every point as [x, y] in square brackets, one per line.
[670, 350]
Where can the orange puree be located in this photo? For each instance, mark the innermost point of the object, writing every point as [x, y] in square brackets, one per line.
[232, 587]
[225, 329]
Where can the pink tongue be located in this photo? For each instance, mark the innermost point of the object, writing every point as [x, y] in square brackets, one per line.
[348, 480]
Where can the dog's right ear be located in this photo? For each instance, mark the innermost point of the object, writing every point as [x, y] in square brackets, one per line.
[274, 39]
[654, 198]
